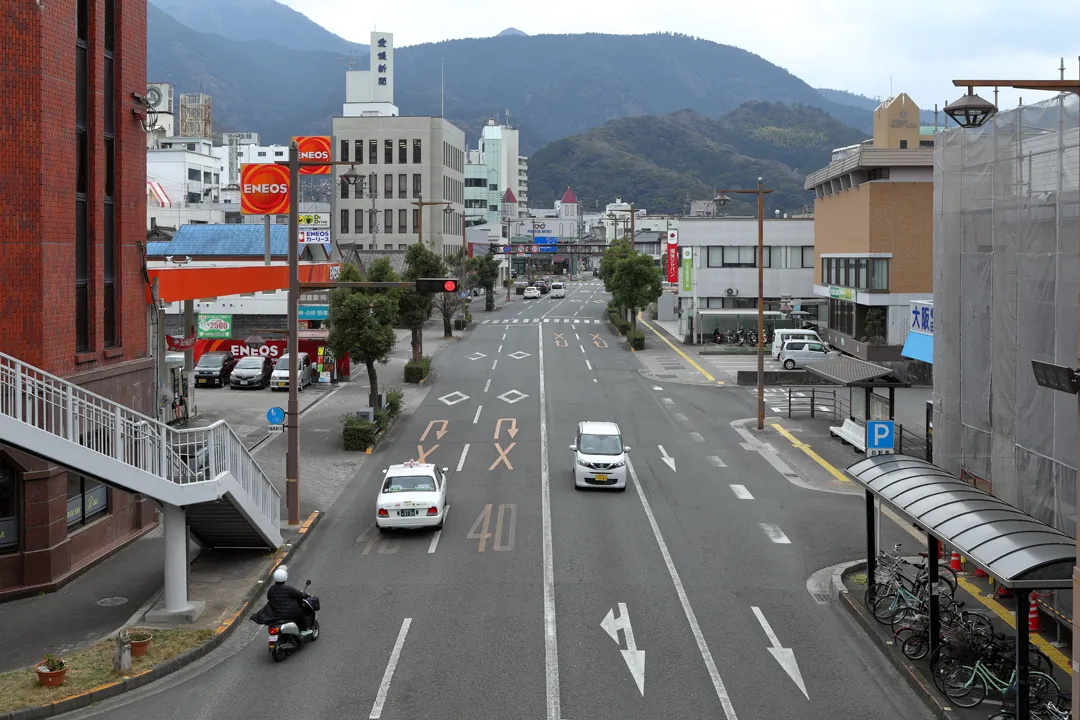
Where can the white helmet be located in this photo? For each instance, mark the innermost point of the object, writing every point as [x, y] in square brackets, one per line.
[281, 574]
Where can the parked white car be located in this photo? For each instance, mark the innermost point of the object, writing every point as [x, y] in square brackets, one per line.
[797, 353]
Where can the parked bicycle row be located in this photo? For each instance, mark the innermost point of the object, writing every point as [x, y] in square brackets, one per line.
[972, 661]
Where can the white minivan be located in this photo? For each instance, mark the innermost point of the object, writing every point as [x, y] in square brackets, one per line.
[279, 379]
[599, 456]
[797, 353]
[558, 290]
[782, 336]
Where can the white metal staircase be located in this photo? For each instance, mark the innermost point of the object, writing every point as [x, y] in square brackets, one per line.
[227, 498]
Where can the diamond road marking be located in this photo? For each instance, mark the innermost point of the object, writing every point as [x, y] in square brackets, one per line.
[477, 356]
[454, 398]
[519, 355]
[512, 396]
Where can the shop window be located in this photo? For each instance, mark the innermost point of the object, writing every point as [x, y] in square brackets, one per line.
[9, 507]
[88, 500]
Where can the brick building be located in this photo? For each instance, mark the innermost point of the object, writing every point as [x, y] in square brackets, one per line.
[72, 219]
[874, 233]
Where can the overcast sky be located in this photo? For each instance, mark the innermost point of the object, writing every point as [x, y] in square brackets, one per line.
[853, 45]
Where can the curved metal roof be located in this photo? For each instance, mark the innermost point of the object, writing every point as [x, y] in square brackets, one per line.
[1012, 546]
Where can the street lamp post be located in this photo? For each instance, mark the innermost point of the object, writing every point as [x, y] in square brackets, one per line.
[761, 193]
[973, 111]
[420, 205]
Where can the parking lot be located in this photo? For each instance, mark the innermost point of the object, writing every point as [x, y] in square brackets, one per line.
[245, 410]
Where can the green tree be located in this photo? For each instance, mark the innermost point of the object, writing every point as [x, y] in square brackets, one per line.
[362, 326]
[615, 252]
[486, 268]
[415, 307]
[635, 283]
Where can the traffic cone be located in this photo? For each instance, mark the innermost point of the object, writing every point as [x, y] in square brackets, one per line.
[1034, 622]
[954, 564]
[940, 550]
[980, 573]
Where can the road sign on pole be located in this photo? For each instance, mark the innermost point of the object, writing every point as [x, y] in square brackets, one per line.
[880, 437]
[275, 418]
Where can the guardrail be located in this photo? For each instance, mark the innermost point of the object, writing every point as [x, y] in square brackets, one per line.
[65, 410]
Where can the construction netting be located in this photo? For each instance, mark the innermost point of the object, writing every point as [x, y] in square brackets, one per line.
[1005, 293]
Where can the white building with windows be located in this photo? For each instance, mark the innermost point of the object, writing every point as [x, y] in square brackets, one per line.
[413, 168]
[492, 169]
[725, 274]
[181, 175]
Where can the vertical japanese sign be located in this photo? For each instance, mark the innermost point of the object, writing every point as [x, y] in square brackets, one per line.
[672, 255]
[687, 269]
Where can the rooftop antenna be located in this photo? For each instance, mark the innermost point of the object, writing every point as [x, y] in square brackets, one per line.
[1060, 69]
[442, 89]
[890, 85]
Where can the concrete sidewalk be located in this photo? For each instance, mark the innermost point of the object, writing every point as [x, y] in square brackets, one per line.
[125, 586]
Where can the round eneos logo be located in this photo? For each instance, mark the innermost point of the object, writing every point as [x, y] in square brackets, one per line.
[314, 148]
[264, 189]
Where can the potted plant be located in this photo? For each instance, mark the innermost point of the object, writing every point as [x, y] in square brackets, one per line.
[51, 671]
[140, 642]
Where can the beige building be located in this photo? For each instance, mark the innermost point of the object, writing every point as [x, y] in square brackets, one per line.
[874, 233]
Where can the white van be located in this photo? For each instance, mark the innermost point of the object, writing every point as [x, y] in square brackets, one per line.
[797, 353]
[558, 290]
[279, 379]
[782, 336]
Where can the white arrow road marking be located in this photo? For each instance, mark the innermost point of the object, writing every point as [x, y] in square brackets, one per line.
[784, 656]
[635, 659]
[668, 460]
[775, 534]
[716, 461]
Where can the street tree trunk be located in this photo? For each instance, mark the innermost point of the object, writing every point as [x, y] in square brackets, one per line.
[417, 343]
[373, 380]
[489, 298]
[447, 328]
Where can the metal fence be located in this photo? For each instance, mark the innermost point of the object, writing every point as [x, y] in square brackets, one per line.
[834, 405]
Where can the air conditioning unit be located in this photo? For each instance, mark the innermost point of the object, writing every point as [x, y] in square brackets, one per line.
[732, 291]
[160, 97]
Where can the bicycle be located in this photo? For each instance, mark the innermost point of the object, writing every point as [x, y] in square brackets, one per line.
[966, 686]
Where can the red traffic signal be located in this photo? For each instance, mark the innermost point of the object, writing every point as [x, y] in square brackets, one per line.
[436, 285]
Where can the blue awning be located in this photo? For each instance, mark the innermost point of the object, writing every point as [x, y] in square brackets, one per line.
[919, 347]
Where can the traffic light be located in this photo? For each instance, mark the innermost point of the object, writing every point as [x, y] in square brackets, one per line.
[436, 285]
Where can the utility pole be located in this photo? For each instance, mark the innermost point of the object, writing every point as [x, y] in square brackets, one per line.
[292, 455]
[761, 193]
[420, 205]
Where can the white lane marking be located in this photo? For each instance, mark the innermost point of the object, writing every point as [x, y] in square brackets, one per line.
[588, 364]
[582, 349]
[696, 437]
[667, 401]
[681, 418]
[716, 461]
[657, 387]
[494, 363]
[504, 336]
[594, 379]
[461, 460]
[576, 336]
[384, 686]
[438, 533]
[515, 319]
[476, 417]
[775, 534]
[741, 492]
[688, 610]
[551, 644]
[487, 384]
[500, 348]
[784, 656]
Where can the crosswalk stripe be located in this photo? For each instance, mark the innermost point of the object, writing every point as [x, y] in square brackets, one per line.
[515, 320]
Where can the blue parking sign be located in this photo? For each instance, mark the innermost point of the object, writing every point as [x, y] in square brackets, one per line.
[881, 435]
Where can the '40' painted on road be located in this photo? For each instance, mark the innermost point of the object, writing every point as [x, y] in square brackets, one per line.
[500, 538]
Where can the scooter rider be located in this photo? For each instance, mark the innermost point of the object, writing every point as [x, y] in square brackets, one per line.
[286, 601]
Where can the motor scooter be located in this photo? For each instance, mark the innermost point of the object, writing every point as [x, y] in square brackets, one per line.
[283, 639]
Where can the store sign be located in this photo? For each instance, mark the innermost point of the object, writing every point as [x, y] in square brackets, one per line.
[922, 317]
[687, 269]
[313, 312]
[215, 326]
[314, 148]
[175, 342]
[315, 297]
[673, 256]
[309, 236]
[264, 189]
[313, 220]
[842, 293]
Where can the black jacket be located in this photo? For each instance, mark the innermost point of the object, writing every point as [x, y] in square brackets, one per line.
[284, 601]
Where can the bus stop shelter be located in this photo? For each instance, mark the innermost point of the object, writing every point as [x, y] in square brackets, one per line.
[1018, 551]
[852, 373]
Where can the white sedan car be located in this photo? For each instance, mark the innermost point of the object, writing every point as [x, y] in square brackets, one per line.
[412, 495]
[532, 293]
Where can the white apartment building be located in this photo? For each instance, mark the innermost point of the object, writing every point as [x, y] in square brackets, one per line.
[492, 169]
[404, 161]
[182, 173]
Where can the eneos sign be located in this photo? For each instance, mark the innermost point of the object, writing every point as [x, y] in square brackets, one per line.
[264, 189]
[314, 148]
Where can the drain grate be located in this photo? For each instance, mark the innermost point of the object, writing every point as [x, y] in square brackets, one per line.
[821, 598]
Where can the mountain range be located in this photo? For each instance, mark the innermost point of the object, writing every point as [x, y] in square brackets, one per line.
[273, 71]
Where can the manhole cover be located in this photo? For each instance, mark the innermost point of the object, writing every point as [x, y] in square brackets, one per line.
[112, 602]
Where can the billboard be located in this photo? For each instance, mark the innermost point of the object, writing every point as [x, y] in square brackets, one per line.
[672, 256]
[215, 326]
[264, 189]
[314, 148]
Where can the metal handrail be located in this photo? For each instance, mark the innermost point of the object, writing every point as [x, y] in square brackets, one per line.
[180, 456]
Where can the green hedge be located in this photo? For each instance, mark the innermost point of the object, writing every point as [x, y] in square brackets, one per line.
[636, 338]
[417, 371]
[622, 326]
[394, 401]
[358, 434]
[382, 418]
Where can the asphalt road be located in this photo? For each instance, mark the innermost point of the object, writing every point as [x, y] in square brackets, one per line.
[500, 614]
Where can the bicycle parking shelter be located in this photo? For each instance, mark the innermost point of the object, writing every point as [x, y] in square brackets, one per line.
[1020, 552]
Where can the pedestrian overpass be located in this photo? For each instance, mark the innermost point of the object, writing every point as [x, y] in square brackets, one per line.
[205, 478]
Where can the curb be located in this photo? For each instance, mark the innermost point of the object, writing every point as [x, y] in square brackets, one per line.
[223, 631]
[914, 677]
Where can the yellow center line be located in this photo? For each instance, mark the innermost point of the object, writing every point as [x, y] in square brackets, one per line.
[683, 355]
[1054, 654]
[809, 451]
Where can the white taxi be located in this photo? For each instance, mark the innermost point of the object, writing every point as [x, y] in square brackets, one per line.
[412, 495]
